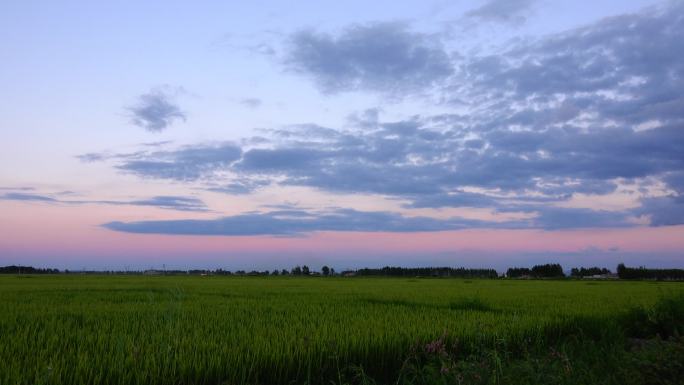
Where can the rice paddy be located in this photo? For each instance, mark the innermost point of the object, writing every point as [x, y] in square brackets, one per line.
[70, 329]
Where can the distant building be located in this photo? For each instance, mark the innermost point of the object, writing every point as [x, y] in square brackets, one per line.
[602, 276]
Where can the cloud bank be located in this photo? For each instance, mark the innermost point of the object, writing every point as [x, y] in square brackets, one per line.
[587, 111]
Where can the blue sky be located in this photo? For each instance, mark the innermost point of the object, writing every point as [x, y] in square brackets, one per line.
[254, 121]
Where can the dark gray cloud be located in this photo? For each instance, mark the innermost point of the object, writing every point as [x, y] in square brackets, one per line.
[156, 110]
[385, 57]
[503, 11]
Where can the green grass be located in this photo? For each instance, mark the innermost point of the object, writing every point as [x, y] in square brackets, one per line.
[233, 330]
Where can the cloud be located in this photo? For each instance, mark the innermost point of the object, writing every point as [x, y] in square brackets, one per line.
[164, 202]
[20, 188]
[239, 186]
[279, 159]
[625, 69]
[663, 211]
[158, 143]
[167, 202]
[91, 157]
[15, 196]
[429, 167]
[675, 181]
[155, 111]
[579, 112]
[503, 11]
[251, 102]
[555, 218]
[453, 199]
[293, 222]
[184, 164]
[383, 57]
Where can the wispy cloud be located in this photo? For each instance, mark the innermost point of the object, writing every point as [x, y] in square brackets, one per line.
[17, 196]
[164, 202]
[21, 188]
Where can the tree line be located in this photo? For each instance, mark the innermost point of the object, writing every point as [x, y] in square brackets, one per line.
[642, 272]
[460, 272]
[26, 270]
[549, 270]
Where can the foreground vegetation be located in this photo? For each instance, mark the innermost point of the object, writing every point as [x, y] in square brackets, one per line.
[68, 329]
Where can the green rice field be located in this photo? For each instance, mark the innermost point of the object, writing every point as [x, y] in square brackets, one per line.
[85, 329]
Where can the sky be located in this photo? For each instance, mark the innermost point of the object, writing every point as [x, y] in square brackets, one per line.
[266, 134]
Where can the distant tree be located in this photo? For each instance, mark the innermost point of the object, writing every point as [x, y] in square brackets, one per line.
[621, 271]
[284, 272]
[517, 272]
[332, 271]
[305, 270]
[275, 272]
[325, 270]
[644, 273]
[549, 270]
[297, 270]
